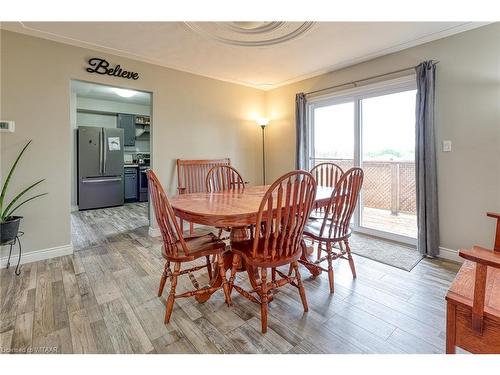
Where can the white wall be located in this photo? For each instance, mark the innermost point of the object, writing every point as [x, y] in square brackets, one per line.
[467, 113]
[98, 120]
[113, 106]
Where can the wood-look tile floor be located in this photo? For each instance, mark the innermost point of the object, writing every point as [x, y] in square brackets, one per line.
[102, 299]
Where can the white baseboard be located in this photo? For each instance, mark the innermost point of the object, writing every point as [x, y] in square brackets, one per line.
[450, 254]
[154, 232]
[35, 256]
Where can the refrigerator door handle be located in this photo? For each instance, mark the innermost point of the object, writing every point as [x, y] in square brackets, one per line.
[98, 180]
[100, 151]
[104, 149]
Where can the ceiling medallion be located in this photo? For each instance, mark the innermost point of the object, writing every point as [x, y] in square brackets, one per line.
[250, 33]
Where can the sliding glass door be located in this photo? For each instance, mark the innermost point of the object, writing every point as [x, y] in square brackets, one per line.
[373, 128]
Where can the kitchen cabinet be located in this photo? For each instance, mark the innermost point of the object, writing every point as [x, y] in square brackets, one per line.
[131, 193]
[127, 123]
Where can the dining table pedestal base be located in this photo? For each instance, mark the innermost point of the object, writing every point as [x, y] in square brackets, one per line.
[237, 234]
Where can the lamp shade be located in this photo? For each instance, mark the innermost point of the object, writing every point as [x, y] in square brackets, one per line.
[262, 121]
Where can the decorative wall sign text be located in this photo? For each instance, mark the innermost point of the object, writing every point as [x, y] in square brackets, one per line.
[101, 66]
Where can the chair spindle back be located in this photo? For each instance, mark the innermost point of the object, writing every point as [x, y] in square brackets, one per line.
[327, 174]
[283, 213]
[191, 174]
[342, 204]
[165, 217]
[224, 177]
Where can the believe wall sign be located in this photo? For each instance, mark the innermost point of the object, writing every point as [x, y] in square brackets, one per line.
[101, 66]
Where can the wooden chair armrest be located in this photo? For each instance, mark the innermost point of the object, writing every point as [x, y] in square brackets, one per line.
[493, 214]
[482, 256]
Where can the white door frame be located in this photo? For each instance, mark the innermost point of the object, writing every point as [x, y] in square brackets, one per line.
[356, 95]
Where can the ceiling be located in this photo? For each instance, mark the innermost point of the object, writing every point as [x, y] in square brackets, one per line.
[96, 91]
[258, 54]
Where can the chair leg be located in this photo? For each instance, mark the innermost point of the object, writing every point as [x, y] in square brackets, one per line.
[219, 235]
[273, 275]
[164, 275]
[225, 285]
[319, 250]
[191, 228]
[263, 300]
[302, 291]
[330, 266]
[171, 296]
[236, 260]
[350, 258]
[209, 267]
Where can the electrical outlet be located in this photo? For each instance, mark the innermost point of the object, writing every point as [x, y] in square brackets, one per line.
[446, 146]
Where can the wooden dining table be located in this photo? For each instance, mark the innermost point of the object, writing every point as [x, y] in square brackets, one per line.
[236, 210]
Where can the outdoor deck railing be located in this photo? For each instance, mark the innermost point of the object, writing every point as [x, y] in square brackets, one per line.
[388, 185]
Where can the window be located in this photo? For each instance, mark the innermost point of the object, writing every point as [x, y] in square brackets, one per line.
[374, 128]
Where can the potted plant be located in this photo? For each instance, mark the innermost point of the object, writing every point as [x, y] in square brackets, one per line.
[9, 224]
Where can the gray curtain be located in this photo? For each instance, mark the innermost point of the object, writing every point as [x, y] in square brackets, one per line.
[302, 140]
[425, 161]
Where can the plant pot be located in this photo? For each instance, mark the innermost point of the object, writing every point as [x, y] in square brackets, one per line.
[9, 229]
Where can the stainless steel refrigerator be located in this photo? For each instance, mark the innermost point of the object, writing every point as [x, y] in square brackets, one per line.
[100, 167]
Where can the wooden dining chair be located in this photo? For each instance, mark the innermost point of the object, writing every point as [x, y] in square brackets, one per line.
[283, 212]
[334, 228]
[326, 174]
[223, 178]
[178, 249]
[191, 177]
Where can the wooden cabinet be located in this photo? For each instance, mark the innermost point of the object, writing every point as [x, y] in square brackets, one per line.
[127, 123]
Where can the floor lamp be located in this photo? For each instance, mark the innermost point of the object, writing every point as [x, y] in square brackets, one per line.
[263, 123]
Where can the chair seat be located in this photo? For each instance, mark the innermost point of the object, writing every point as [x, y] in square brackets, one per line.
[313, 230]
[244, 249]
[198, 245]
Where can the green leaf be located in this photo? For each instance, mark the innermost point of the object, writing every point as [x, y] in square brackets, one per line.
[20, 204]
[19, 196]
[6, 184]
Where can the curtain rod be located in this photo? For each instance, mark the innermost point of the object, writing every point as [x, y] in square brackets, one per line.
[365, 79]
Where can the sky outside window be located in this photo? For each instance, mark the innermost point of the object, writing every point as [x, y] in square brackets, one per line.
[389, 127]
[334, 131]
[388, 124]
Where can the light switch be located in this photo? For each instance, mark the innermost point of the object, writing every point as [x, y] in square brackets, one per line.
[446, 146]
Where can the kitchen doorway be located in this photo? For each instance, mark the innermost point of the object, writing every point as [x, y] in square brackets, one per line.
[111, 138]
